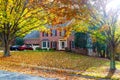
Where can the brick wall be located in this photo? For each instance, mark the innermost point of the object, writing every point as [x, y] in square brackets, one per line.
[56, 38]
[32, 41]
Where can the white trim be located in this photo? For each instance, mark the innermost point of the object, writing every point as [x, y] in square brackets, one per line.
[35, 46]
[60, 41]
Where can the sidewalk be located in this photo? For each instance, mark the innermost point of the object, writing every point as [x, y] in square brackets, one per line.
[5, 75]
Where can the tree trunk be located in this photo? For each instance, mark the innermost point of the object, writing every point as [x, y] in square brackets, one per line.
[112, 61]
[6, 49]
[107, 53]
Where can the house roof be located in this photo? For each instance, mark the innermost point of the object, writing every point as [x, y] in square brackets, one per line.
[61, 25]
[33, 34]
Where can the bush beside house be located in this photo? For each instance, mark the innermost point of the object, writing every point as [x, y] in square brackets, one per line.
[83, 43]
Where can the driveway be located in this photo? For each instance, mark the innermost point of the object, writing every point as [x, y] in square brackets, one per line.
[5, 75]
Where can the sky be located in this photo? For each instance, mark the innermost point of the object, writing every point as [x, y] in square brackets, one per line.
[113, 4]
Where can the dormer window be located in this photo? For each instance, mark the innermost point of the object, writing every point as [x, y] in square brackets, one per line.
[53, 32]
[62, 33]
[44, 34]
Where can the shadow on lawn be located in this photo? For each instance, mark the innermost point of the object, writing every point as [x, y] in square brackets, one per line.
[110, 74]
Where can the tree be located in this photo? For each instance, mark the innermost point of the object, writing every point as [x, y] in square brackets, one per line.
[81, 40]
[106, 21]
[88, 13]
[18, 17]
[19, 41]
[65, 11]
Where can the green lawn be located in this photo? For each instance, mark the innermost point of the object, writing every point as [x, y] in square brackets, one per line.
[90, 66]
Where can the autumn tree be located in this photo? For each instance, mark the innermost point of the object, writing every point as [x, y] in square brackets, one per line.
[65, 11]
[88, 13]
[106, 18]
[18, 17]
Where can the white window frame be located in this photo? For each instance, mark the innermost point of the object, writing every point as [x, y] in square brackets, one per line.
[54, 32]
[46, 45]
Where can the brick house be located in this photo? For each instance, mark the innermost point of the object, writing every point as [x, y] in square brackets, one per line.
[55, 40]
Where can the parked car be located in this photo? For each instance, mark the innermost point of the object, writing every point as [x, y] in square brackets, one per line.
[25, 47]
[14, 47]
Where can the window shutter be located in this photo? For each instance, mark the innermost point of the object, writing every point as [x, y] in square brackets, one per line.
[51, 32]
[42, 34]
[51, 44]
[55, 32]
[60, 33]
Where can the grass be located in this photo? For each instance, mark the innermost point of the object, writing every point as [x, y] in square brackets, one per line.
[91, 66]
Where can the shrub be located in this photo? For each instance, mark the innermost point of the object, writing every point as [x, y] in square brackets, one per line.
[38, 48]
[52, 49]
[19, 41]
[67, 49]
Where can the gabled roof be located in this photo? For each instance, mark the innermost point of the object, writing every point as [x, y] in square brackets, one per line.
[61, 25]
[33, 34]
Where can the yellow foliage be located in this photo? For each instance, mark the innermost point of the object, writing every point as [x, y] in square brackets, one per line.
[81, 29]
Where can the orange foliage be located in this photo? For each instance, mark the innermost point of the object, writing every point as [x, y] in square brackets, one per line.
[63, 10]
[49, 59]
[30, 62]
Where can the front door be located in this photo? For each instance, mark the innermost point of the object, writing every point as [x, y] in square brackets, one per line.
[62, 44]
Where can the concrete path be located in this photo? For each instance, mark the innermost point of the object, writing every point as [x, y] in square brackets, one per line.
[5, 75]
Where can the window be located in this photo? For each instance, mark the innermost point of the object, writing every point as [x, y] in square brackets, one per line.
[44, 34]
[53, 32]
[45, 44]
[53, 44]
[62, 33]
